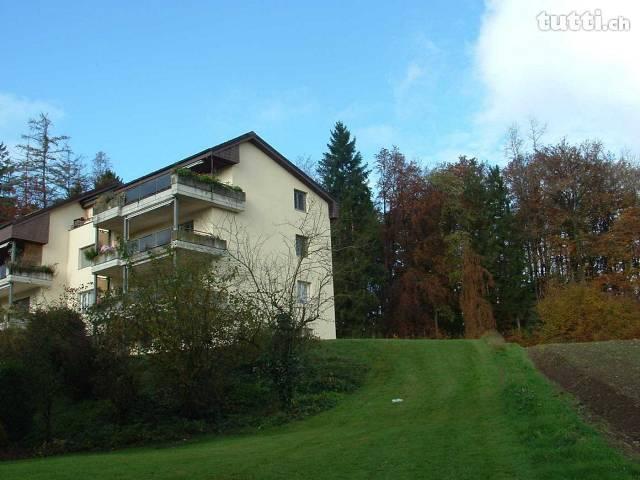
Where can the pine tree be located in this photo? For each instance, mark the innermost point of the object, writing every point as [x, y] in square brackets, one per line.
[512, 297]
[101, 170]
[41, 151]
[7, 185]
[355, 235]
[108, 178]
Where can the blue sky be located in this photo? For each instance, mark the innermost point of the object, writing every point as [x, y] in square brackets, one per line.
[152, 82]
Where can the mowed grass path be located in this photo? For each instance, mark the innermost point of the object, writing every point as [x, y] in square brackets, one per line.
[470, 411]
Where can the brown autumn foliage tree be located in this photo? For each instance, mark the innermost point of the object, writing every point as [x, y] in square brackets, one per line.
[582, 312]
[437, 284]
[570, 198]
[416, 296]
[476, 309]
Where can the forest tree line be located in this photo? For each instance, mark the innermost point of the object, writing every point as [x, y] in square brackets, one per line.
[44, 170]
[545, 248]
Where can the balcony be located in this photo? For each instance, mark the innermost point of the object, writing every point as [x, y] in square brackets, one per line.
[195, 191]
[154, 245]
[23, 277]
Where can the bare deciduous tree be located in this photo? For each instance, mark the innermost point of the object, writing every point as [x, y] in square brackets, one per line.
[41, 151]
[290, 288]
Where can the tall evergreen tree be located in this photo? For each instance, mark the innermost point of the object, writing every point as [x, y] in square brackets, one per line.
[355, 235]
[100, 169]
[512, 296]
[7, 185]
[107, 178]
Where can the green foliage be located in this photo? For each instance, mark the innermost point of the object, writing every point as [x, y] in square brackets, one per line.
[58, 356]
[193, 327]
[466, 415]
[91, 253]
[19, 267]
[283, 357]
[354, 236]
[8, 181]
[187, 173]
[16, 402]
[107, 178]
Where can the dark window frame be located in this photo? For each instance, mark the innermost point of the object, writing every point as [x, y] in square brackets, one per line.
[299, 200]
[302, 246]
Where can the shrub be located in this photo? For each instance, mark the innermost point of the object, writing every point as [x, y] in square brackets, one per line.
[192, 328]
[18, 267]
[284, 356]
[583, 313]
[16, 402]
[59, 356]
[11, 343]
[186, 173]
[91, 253]
[4, 438]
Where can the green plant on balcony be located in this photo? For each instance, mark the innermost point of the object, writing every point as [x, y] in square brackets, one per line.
[91, 253]
[122, 249]
[108, 200]
[186, 173]
[19, 267]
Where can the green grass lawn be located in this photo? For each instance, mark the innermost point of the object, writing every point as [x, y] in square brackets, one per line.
[470, 411]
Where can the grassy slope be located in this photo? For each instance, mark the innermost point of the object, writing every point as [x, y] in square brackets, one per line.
[469, 411]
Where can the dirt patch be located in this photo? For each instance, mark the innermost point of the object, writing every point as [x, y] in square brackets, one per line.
[617, 405]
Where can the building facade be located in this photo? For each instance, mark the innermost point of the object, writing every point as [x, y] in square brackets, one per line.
[242, 190]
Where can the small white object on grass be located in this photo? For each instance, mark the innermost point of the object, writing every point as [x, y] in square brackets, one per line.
[397, 400]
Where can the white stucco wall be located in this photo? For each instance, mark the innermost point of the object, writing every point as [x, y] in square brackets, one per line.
[270, 217]
[61, 251]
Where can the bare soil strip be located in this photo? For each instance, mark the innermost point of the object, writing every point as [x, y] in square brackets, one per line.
[617, 406]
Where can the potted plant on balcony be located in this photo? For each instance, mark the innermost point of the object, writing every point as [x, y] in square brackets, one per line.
[19, 267]
[91, 253]
[206, 179]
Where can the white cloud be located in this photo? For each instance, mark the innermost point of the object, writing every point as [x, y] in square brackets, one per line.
[413, 73]
[16, 111]
[412, 90]
[583, 84]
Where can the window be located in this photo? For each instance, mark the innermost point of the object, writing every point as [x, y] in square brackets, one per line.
[83, 261]
[300, 200]
[303, 291]
[186, 226]
[86, 299]
[302, 246]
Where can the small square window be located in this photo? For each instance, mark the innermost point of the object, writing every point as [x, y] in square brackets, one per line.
[300, 200]
[302, 246]
[303, 291]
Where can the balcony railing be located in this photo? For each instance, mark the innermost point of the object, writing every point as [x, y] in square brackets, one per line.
[148, 242]
[108, 201]
[213, 187]
[147, 189]
[199, 238]
[161, 184]
[162, 238]
[40, 272]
